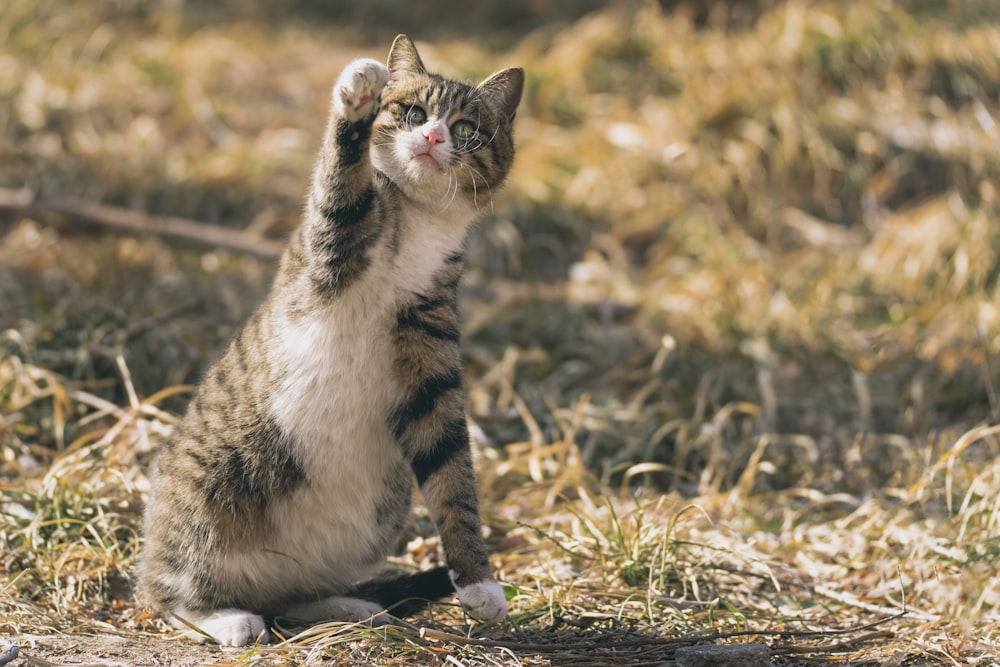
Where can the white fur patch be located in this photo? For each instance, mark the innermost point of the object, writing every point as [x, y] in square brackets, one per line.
[228, 627]
[332, 402]
[336, 392]
[483, 600]
[339, 609]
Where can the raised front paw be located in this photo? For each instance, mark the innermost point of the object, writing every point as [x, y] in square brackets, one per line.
[359, 89]
[483, 600]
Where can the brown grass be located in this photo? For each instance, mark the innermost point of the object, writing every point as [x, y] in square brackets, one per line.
[732, 331]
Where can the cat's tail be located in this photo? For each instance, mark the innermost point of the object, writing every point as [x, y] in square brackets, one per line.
[407, 594]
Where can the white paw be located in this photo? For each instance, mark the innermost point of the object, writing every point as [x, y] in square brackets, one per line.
[359, 89]
[339, 609]
[228, 627]
[483, 600]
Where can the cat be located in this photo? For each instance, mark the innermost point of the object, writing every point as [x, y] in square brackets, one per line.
[289, 478]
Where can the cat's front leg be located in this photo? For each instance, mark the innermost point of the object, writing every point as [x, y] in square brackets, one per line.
[357, 95]
[432, 431]
[343, 209]
[447, 482]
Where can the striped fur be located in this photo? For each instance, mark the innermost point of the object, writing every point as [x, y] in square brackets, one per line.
[290, 476]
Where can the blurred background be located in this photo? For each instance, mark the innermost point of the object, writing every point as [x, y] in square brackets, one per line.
[737, 233]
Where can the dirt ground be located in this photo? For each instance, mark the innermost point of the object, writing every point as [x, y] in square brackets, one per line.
[730, 334]
[114, 650]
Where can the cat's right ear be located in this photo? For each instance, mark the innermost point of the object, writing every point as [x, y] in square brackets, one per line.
[404, 59]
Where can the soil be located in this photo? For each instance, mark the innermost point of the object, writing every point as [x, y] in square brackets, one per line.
[107, 650]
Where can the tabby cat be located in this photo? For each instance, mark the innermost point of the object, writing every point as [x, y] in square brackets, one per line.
[290, 476]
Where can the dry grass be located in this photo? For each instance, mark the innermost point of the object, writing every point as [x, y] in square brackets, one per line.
[732, 332]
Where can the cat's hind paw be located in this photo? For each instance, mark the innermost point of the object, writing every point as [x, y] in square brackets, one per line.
[338, 608]
[483, 600]
[228, 627]
[358, 91]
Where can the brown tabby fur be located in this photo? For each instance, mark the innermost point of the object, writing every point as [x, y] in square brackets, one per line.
[290, 476]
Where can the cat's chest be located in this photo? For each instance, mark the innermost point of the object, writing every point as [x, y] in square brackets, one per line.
[424, 239]
[335, 377]
[335, 366]
[335, 385]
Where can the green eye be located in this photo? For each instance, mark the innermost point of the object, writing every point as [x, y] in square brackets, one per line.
[463, 130]
[416, 116]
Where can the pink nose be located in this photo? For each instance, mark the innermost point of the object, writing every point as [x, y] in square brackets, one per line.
[433, 136]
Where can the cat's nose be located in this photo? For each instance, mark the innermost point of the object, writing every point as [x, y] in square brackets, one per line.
[433, 135]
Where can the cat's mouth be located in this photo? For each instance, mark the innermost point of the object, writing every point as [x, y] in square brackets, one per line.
[428, 160]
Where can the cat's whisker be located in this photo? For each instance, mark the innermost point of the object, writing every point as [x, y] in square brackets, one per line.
[475, 189]
[452, 181]
[492, 137]
[456, 187]
[469, 147]
[461, 165]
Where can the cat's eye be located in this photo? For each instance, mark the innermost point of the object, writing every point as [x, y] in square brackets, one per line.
[416, 116]
[463, 130]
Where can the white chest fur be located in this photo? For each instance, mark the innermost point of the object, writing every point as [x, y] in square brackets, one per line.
[336, 362]
[336, 391]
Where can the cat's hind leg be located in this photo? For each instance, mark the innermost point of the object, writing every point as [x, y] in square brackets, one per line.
[339, 608]
[228, 627]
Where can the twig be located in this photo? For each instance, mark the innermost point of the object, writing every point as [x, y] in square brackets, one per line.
[541, 533]
[121, 336]
[517, 628]
[848, 599]
[32, 661]
[136, 222]
[836, 647]
[543, 647]
[619, 642]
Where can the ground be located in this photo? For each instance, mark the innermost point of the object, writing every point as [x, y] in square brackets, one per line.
[730, 331]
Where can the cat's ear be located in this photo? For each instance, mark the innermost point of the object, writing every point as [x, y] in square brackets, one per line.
[404, 59]
[503, 90]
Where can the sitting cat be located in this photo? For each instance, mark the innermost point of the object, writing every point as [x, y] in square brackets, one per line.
[290, 476]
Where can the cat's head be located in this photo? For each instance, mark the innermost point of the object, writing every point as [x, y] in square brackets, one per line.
[442, 141]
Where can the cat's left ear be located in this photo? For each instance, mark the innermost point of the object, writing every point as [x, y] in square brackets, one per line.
[503, 90]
